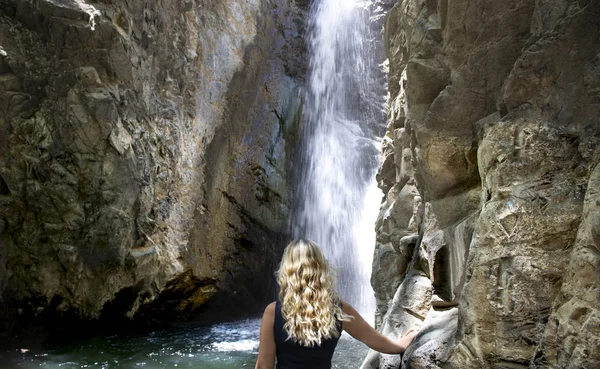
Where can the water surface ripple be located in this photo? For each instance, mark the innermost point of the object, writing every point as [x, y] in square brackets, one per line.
[223, 346]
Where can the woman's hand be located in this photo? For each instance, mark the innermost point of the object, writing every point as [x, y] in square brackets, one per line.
[411, 332]
[408, 338]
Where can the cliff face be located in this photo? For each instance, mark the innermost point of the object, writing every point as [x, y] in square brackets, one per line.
[142, 153]
[488, 238]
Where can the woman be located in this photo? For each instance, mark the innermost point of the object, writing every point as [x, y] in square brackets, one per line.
[302, 328]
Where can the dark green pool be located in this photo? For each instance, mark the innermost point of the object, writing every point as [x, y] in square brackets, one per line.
[222, 346]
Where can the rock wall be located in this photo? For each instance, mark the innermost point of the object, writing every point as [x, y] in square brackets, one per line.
[488, 235]
[143, 150]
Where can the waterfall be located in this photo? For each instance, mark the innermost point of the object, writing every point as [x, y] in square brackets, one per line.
[338, 199]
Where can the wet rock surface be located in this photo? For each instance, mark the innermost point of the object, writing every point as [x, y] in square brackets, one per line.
[143, 152]
[490, 169]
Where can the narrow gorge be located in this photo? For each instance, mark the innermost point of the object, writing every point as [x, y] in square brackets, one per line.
[156, 157]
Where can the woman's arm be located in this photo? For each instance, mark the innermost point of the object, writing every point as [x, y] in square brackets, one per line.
[266, 346]
[362, 331]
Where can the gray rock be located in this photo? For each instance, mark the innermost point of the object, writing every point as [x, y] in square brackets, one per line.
[432, 346]
[143, 151]
[500, 101]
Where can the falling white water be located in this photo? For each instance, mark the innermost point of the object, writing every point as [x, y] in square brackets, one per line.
[344, 118]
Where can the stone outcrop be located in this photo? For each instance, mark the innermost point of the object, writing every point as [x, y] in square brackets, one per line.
[488, 236]
[143, 150]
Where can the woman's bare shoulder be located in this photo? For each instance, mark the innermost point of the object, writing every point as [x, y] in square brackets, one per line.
[270, 309]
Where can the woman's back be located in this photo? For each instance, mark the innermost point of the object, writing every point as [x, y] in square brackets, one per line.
[302, 329]
[292, 355]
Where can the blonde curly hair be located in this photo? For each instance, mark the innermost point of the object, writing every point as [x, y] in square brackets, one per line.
[309, 302]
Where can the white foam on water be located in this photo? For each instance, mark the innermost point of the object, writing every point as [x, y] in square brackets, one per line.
[241, 336]
[242, 345]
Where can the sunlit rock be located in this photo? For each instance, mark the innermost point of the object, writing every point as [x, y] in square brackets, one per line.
[500, 101]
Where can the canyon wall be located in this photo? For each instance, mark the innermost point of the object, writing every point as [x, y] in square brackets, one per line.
[143, 151]
[488, 237]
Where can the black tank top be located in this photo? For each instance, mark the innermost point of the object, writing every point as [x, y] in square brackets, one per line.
[292, 355]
